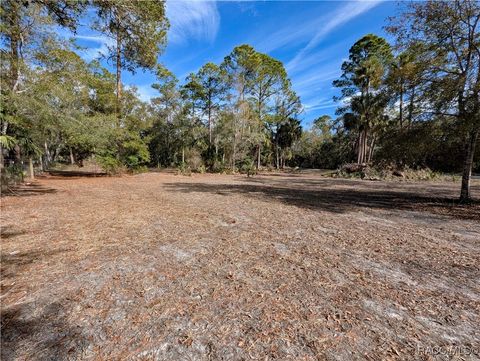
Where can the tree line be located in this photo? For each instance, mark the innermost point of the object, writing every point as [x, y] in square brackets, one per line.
[412, 103]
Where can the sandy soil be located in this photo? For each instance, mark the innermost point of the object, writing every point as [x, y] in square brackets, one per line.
[212, 267]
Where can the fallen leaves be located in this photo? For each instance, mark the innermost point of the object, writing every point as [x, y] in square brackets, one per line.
[221, 267]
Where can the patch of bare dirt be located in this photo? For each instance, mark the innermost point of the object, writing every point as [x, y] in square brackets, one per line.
[211, 267]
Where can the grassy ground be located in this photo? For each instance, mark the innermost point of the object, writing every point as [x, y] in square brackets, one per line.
[209, 267]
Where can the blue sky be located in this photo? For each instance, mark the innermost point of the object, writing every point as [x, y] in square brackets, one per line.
[311, 38]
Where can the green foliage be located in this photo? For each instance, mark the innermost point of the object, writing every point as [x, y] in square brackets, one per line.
[446, 38]
[109, 162]
[134, 153]
[7, 142]
[247, 166]
[139, 28]
[362, 83]
[408, 109]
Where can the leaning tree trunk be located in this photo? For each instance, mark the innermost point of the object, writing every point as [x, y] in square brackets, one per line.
[467, 165]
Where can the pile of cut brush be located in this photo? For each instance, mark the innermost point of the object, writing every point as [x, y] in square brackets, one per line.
[390, 172]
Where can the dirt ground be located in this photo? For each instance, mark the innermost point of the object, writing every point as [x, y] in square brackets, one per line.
[215, 267]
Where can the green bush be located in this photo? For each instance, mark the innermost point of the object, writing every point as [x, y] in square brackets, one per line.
[135, 154]
[247, 166]
[219, 167]
[110, 163]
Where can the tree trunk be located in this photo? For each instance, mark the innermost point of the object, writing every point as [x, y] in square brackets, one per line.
[401, 105]
[365, 147]
[410, 107]
[2, 160]
[14, 35]
[72, 159]
[259, 155]
[234, 148]
[118, 64]
[209, 124]
[277, 157]
[467, 165]
[371, 148]
[48, 158]
[183, 155]
[18, 153]
[30, 168]
[361, 148]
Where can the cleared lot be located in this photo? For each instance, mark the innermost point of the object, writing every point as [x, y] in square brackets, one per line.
[292, 266]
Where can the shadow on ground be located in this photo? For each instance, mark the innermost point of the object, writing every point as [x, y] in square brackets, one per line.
[76, 174]
[339, 200]
[7, 232]
[45, 333]
[27, 190]
[13, 263]
[40, 330]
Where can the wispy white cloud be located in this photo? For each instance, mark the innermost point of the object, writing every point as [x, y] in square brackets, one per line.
[327, 104]
[198, 20]
[339, 17]
[288, 35]
[99, 47]
[310, 79]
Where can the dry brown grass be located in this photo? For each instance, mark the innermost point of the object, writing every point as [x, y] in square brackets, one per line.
[210, 267]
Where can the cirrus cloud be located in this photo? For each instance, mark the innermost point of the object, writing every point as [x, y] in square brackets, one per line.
[192, 20]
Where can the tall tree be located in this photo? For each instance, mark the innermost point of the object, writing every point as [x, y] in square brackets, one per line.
[138, 31]
[261, 84]
[213, 87]
[405, 86]
[22, 23]
[239, 66]
[191, 93]
[288, 132]
[271, 92]
[361, 82]
[168, 101]
[287, 107]
[447, 34]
